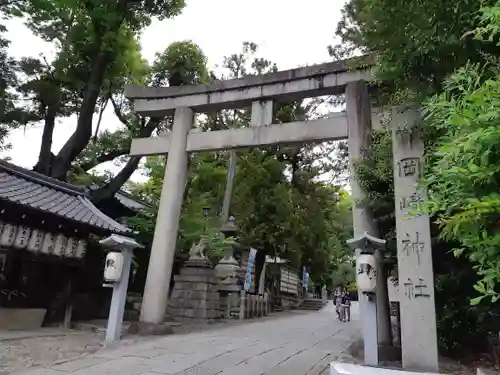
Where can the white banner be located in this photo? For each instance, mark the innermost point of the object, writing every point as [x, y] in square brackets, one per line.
[251, 263]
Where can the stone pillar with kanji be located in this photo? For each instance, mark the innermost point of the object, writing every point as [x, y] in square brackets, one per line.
[415, 272]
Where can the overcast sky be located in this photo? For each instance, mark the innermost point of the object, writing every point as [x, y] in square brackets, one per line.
[290, 33]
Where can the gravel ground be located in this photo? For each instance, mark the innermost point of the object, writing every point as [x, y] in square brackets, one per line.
[20, 351]
[18, 354]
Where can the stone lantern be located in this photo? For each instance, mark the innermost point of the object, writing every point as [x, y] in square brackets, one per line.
[366, 278]
[229, 274]
[229, 229]
[228, 270]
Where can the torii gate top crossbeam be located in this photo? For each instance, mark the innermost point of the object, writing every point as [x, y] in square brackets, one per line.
[285, 86]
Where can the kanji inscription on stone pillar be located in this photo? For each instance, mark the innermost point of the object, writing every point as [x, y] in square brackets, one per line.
[416, 278]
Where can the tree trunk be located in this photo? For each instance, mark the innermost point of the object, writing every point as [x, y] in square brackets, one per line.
[81, 136]
[111, 188]
[45, 156]
[103, 158]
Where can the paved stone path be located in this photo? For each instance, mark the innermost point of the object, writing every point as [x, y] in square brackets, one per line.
[301, 344]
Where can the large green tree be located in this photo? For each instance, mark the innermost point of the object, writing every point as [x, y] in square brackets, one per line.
[97, 52]
[463, 173]
[181, 63]
[57, 89]
[419, 44]
[12, 114]
[7, 81]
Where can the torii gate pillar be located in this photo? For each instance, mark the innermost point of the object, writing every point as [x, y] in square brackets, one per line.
[155, 296]
[359, 128]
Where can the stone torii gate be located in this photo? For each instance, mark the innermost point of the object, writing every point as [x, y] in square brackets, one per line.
[259, 93]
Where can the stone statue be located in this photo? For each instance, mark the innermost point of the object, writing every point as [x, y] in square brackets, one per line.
[197, 251]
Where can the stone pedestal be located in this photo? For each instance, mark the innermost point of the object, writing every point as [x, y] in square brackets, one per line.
[195, 294]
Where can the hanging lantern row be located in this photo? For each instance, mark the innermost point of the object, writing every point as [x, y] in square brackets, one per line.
[37, 241]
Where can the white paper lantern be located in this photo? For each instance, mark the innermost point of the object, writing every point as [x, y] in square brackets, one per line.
[113, 267]
[71, 246]
[35, 241]
[8, 235]
[60, 245]
[22, 237]
[48, 243]
[81, 249]
[366, 273]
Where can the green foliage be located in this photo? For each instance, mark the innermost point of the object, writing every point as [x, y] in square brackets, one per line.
[97, 53]
[343, 275]
[53, 19]
[60, 85]
[419, 44]
[8, 79]
[312, 232]
[463, 173]
[208, 176]
[180, 63]
[11, 115]
[462, 329]
[374, 173]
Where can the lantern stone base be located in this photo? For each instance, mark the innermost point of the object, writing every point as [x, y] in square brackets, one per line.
[21, 319]
[195, 295]
[229, 299]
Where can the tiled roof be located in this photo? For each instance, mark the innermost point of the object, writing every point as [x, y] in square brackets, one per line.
[131, 202]
[28, 188]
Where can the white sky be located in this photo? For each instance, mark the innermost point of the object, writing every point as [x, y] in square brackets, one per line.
[289, 33]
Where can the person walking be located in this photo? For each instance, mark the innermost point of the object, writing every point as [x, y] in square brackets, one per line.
[346, 306]
[337, 298]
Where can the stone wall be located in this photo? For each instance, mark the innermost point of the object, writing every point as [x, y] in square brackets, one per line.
[195, 294]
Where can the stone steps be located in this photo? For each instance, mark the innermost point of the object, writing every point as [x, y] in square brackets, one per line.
[311, 304]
